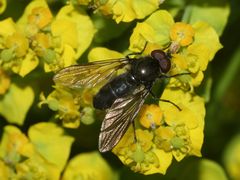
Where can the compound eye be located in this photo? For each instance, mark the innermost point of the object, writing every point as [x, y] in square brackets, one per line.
[165, 65]
[162, 58]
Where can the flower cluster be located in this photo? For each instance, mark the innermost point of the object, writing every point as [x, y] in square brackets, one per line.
[34, 157]
[43, 41]
[37, 37]
[122, 10]
[170, 130]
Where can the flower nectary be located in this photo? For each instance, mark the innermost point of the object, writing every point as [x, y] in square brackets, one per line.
[40, 16]
[150, 116]
[182, 33]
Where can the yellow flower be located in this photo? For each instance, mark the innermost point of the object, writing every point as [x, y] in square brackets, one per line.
[30, 158]
[179, 134]
[127, 10]
[21, 158]
[127, 143]
[163, 137]
[182, 33]
[173, 139]
[192, 46]
[41, 42]
[19, 43]
[148, 161]
[16, 54]
[71, 34]
[138, 154]
[87, 97]
[66, 104]
[89, 165]
[104, 6]
[40, 16]
[187, 124]
[4, 81]
[151, 116]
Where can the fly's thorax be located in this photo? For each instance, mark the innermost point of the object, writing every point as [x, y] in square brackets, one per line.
[145, 69]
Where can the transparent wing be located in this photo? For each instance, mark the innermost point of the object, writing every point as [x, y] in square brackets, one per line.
[119, 117]
[89, 75]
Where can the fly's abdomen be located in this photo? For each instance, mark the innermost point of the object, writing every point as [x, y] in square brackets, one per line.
[117, 88]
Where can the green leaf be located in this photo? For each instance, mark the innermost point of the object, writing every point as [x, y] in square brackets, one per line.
[51, 143]
[15, 104]
[194, 13]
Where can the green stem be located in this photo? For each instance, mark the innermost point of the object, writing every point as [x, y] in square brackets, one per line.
[227, 76]
[187, 14]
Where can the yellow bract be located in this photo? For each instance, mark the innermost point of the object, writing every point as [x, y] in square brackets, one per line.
[4, 82]
[15, 103]
[154, 30]
[128, 10]
[48, 138]
[89, 165]
[8, 27]
[21, 159]
[101, 53]
[66, 30]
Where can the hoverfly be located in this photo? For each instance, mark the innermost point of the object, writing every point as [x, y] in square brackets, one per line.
[122, 95]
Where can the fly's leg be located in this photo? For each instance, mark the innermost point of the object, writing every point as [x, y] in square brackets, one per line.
[134, 132]
[175, 75]
[137, 53]
[164, 100]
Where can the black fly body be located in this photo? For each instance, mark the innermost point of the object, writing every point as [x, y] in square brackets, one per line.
[122, 95]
